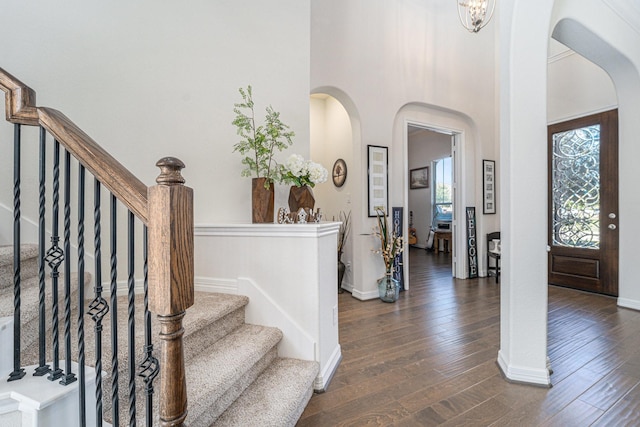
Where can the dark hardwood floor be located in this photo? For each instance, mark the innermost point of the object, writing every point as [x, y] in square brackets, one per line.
[430, 359]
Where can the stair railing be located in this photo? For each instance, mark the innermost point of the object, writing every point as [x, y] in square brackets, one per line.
[166, 212]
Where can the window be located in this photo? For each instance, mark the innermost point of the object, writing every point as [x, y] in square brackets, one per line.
[442, 194]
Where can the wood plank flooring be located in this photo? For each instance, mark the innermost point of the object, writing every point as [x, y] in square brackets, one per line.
[430, 359]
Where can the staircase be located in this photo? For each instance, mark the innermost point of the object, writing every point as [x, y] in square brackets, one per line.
[234, 374]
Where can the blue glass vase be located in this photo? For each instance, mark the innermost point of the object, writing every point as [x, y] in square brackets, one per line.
[388, 288]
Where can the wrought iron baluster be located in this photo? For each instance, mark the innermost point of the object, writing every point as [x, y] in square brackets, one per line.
[69, 376]
[131, 320]
[18, 372]
[54, 258]
[43, 368]
[115, 405]
[149, 367]
[82, 413]
[98, 307]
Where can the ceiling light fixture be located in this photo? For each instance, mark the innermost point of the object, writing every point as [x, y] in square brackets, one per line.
[473, 13]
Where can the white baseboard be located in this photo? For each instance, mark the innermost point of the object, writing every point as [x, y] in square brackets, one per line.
[363, 296]
[629, 303]
[224, 286]
[324, 377]
[523, 375]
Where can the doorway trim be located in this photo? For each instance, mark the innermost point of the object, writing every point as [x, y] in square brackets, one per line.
[459, 265]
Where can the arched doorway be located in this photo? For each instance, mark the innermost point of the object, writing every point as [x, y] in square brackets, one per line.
[599, 33]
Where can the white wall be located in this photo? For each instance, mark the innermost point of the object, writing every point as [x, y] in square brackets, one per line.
[424, 147]
[576, 87]
[148, 79]
[382, 56]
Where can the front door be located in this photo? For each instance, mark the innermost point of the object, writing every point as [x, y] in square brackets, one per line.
[583, 203]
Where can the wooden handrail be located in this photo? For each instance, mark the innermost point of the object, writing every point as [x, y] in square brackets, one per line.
[20, 100]
[122, 183]
[20, 108]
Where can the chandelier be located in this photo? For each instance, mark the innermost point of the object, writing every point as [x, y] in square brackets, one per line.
[473, 13]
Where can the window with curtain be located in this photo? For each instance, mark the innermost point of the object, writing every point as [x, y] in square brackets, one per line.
[442, 194]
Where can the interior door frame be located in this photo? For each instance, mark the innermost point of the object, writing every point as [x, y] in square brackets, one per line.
[458, 263]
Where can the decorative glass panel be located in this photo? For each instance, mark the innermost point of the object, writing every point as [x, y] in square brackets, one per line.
[576, 188]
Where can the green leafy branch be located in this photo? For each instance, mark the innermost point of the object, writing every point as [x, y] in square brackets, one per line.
[258, 142]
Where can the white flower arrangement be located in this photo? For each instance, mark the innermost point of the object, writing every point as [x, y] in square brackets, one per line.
[299, 172]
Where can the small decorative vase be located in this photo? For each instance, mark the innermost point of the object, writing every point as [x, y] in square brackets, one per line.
[261, 201]
[301, 197]
[388, 288]
[341, 269]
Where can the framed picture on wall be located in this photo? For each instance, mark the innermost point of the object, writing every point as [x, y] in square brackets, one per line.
[377, 169]
[419, 178]
[489, 186]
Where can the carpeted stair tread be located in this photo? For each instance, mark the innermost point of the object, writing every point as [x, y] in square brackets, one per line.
[212, 317]
[28, 263]
[225, 311]
[277, 398]
[224, 357]
[216, 377]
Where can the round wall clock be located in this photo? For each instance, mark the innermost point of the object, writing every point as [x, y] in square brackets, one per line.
[339, 173]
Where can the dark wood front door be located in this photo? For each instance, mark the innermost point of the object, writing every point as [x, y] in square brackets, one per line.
[583, 203]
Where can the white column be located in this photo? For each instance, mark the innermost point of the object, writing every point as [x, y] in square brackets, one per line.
[523, 61]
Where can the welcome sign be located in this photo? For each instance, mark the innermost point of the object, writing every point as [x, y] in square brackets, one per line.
[398, 271]
[472, 251]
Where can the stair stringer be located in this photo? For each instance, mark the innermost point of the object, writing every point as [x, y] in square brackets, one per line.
[264, 310]
[28, 227]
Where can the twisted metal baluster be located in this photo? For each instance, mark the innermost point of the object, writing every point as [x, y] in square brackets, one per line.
[69, 376]
[18, 372]
[149, 367]
[115, 404]
[43, 368]
[54, 258]
[131, 321]
[98, 307]
[81, 373]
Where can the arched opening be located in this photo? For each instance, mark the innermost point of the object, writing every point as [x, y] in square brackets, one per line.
[462, 133]
[600, 34]
[334, 136]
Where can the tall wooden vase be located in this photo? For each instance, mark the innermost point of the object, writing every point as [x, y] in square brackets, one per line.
[301, 197]
[261, 201]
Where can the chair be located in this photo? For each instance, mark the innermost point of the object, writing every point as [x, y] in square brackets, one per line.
[493, 254]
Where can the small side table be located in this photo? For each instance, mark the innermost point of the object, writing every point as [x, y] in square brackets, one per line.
[447, 242]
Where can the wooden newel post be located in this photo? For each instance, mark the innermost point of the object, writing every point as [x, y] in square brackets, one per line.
[171, 281]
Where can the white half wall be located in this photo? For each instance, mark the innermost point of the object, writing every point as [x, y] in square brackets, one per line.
[289, 273]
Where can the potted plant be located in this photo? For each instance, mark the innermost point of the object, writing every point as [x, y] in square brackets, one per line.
[391, 245]
[303, 175]
[258, 144]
